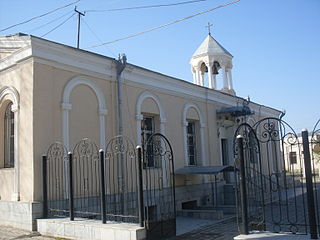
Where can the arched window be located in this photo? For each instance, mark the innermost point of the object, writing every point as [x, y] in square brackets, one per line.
[9, 137]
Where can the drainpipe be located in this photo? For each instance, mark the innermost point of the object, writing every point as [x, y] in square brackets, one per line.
[120, 65]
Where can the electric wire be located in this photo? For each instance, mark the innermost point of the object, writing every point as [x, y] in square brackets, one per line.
[52, 21]
[59, 25]
[97, 37]
[147, 6]
[36, 17]
[164, 25]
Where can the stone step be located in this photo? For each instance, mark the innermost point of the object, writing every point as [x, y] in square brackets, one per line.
[84, 229]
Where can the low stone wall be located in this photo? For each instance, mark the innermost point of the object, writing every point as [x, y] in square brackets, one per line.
[84, 229]
[20, 214]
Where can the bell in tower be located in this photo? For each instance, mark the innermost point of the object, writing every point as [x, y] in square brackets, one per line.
[210, 58]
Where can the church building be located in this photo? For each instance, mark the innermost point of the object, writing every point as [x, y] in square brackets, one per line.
[50, 92]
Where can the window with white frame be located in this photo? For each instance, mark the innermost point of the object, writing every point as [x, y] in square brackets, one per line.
[147, 129]
[191, 143]
[8, 137]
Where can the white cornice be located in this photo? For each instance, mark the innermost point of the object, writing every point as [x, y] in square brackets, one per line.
[15, 58]
[91, 64]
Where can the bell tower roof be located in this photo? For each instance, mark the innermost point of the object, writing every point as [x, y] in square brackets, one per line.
[210, 47]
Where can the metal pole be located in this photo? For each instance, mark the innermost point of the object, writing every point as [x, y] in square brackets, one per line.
[309, 184]
[79, 18]
[45, 186]
[140, 187]
[102, 187]
[243, 187]
[71, 206]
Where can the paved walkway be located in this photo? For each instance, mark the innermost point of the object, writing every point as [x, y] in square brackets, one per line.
[220, 230]
[202, 230]
[9, 233]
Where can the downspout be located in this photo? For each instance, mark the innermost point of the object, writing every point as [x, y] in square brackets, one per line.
[120, 65]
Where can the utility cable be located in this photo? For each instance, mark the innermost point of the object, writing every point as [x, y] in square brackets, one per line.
[58, 25]
[52, 21]
[42, 15]
[148, 6]
[164, 25]
[96, 36]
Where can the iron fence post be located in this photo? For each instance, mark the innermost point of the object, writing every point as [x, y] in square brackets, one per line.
[309, 185]
[44, 186]
[140, 187]
[71, 206]
[243, 190]
[102, 187]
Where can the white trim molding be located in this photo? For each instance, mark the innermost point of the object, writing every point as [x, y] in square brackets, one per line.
[12, 95]
[202, 125]
[143, 96]
[66, 107]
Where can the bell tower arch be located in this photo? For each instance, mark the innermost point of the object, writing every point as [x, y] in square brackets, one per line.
[211, 58]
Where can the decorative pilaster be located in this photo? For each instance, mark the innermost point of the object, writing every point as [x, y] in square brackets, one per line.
[225, 77]
[102, 113]
[230, 84]
[66, 107]
[16, 193]
[210, 75]
[139, 118]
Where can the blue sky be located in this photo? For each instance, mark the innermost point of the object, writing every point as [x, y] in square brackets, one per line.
[275, 44]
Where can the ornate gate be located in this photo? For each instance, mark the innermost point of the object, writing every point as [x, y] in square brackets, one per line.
[56, 199]
[159, 191]
[121, 171]
[273, 190]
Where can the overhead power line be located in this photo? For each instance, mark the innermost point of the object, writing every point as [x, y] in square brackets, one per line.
[98, 38]
[59, 25]
[52, 21]
[164, 25]
[42, 15]
[148, 6]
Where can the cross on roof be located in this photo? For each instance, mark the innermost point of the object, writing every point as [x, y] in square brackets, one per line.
[209, 25]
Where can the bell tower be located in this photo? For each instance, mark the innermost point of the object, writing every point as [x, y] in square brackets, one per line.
[212, 58]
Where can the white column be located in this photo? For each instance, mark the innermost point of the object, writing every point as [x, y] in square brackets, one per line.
[202, 142]
[210, 75]
[66, 107]
[162, 125]
[214, 81]
[139, 118]
[225, 77]
[185, 141]
[230, 84]
[194, 75]
[102, 114]
[201, 83]
[16, 193]
[198, 77]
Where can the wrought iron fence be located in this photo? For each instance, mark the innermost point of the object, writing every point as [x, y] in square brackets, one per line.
[55, 194]
[159, 191]
[273, 187]
[121, 171]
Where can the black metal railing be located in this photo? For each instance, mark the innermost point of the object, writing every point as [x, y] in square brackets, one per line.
[92, 183]
[276, 191]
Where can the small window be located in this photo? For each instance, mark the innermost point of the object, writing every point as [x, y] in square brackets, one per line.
[191, 144]
[293, 157]
[147, 129]
[9, 137]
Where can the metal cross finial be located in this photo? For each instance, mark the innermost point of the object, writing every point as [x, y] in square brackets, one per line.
[209, 25]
